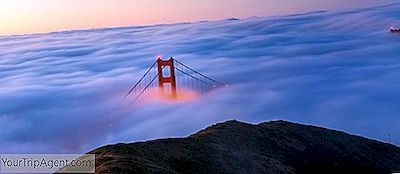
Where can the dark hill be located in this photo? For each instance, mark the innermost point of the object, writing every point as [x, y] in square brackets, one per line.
[235, 147]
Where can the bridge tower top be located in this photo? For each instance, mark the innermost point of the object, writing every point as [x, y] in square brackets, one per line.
[166, 78]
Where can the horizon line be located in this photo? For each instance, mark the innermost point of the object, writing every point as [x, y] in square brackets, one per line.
[195, 22]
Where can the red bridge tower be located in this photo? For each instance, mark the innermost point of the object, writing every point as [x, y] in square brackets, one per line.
[166, 81]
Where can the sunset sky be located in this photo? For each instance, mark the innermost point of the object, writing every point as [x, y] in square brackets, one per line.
[37, 16]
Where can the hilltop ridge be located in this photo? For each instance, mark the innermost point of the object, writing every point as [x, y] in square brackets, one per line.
[237, 147]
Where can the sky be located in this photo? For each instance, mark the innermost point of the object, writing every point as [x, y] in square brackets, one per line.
[61, 92]
[38, 16]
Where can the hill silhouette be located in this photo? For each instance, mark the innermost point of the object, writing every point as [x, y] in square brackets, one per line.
[236, 147]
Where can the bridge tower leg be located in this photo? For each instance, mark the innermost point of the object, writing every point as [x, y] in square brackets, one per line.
[162, 79]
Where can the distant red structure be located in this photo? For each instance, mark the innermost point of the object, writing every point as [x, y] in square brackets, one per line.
[164, 80]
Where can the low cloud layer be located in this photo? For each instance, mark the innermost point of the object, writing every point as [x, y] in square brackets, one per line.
[60, 92]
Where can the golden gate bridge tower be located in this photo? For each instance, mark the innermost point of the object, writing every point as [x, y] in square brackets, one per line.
[167, 78]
